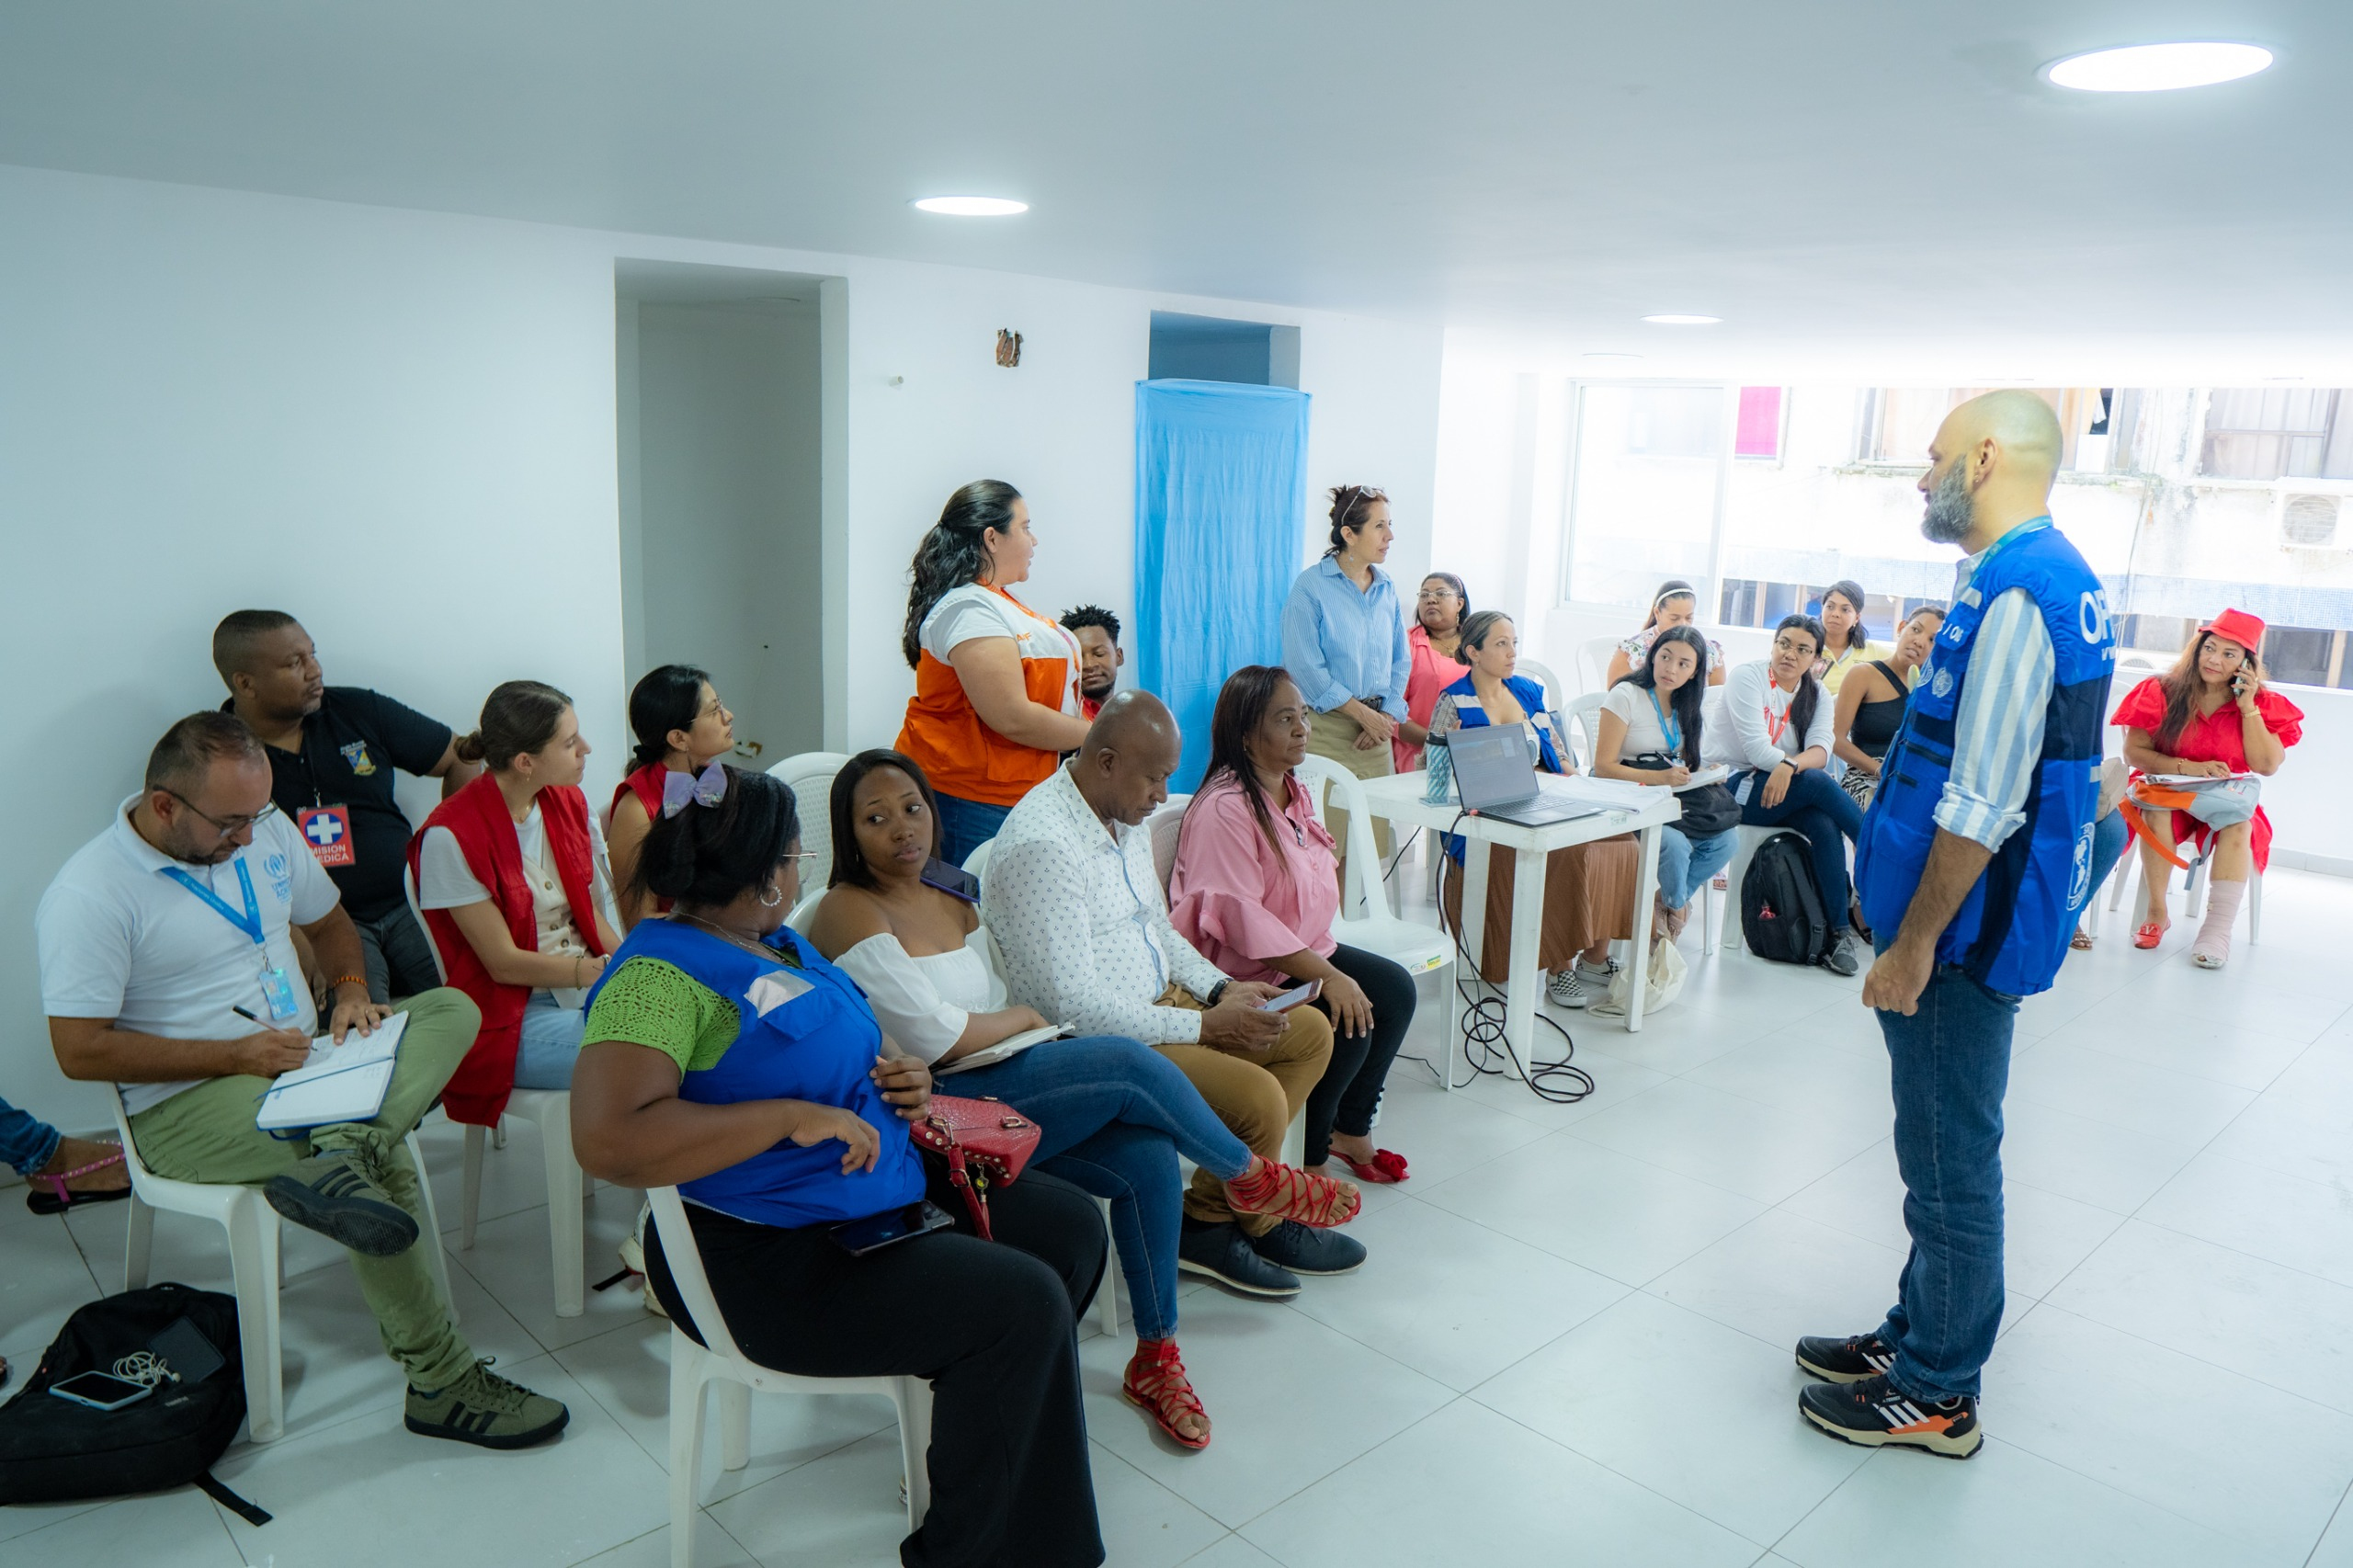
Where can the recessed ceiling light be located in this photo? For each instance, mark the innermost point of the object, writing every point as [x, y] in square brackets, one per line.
[2157, 67]
[1601, 355]
[1683, 320]
[971, 206]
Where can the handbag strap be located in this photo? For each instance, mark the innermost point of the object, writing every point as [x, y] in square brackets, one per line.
[959, 1177]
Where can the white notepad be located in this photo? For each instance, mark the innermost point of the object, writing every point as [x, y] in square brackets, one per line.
[1012, 1045]
[340, 1083]
[1716, 774]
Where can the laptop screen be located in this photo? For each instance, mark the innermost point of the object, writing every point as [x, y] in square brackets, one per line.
[1493, 766]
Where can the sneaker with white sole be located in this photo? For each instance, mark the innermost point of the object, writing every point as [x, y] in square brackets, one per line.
[1875, 1414]
[1567, 989]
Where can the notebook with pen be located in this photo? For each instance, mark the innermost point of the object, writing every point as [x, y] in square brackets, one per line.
[340, 1083]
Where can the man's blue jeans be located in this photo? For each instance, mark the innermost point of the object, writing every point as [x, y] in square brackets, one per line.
[1949, 1067]
[26, 1143]
[1112, 1115]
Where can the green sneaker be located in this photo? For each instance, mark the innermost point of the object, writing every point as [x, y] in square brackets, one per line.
[484, 1409]
[339, 1194]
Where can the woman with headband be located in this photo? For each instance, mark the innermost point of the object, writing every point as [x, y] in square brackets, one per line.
[1674, 604]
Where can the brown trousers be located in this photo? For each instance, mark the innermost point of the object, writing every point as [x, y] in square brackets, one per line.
[1255, 1093]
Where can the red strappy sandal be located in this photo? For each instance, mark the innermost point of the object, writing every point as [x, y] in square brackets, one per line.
[1385, 1166]
[60, 1197]
[1155, 1383]
[1289, 1193]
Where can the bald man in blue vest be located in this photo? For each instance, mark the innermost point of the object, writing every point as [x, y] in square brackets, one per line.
[1973, 862]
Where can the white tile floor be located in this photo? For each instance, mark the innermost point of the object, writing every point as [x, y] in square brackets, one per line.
[1571, 1344]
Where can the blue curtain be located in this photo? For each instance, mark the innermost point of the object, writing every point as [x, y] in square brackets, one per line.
[1221, 492]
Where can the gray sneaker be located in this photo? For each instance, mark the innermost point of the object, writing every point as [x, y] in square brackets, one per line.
[339, 1193]
[484, 1409]
[1842, 958]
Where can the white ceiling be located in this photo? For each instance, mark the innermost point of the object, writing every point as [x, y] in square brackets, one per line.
[1850, 183]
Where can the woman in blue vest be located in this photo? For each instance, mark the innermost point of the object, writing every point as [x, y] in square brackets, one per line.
[726, 1059]
[1588, 888]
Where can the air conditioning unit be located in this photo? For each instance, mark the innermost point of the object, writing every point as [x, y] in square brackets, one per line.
[2314, 522]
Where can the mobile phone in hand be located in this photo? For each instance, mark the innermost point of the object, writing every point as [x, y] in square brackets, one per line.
[1283, 1002]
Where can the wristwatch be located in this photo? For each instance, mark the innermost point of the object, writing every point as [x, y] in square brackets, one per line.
[1217, 990]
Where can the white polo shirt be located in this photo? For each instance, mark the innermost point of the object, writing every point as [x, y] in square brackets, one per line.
[121, 941]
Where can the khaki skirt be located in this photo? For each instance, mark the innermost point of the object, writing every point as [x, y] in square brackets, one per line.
[1333, 736]
[1588, 898]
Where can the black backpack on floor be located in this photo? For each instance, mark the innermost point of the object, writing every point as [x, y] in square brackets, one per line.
[53, 1451]
[1781, 915]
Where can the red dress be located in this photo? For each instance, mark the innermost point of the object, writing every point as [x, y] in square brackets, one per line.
[2217, 737]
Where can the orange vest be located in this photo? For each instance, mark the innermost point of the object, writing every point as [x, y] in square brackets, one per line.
[961, 755]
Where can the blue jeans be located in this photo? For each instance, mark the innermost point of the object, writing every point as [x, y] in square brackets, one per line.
[26, 1143]
[1949, 1066]
[550, 1046]
[1113, 1115]
[964, 827]
[1685, 864]
[1815, 806]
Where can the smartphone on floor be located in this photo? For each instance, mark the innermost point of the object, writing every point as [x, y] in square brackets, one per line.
[100, 1390]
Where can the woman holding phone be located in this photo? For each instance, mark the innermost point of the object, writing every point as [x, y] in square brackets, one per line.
[1114, 1114]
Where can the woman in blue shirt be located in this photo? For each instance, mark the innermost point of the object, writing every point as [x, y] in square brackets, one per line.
[729, 1061]
[1344, 643]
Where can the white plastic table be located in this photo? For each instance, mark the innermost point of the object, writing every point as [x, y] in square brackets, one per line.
[1399, 797]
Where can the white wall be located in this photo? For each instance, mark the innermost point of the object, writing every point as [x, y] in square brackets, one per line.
[393, 423]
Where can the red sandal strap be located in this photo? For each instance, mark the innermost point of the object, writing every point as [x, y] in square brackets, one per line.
[1291, 1193]
[1155, 1378]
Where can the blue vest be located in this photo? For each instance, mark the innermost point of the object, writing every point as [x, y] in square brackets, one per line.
[1530, 694]
[2011, 932]
[807, 1034]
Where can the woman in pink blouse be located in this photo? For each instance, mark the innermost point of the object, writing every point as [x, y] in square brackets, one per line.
[1435, 639]
[1256, 889]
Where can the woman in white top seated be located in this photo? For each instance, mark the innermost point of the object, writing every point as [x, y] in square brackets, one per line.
[1772, 728]
[1113, 1113]
[1649, 732]
[512, 876]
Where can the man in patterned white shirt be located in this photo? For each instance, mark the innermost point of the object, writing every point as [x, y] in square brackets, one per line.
[1077, 910]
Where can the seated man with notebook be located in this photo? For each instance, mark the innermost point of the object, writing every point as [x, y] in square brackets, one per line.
[168, 966]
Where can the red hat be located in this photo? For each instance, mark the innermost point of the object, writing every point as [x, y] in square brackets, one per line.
[2238, 626]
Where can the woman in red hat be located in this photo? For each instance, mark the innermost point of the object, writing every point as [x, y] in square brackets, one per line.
[2209, 717]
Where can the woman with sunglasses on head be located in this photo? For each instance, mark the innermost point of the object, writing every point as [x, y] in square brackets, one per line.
[727, 1059]
[1255, 889]
[681, 728]
[1674, 604]
[511, 874]
[1114, 1113]
[1844, 644]
[2210, 716]
[1649, 732]
[1344, 642]
[1774, 733]
[1870, 704]
[1434, 640]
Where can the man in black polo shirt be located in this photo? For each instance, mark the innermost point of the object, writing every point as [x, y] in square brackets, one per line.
[333, 752]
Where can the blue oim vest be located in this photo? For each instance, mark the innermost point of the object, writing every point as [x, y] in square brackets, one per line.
[2011, 932]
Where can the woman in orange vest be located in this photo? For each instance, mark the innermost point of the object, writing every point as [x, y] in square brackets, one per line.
[996, 690]
[511, 874]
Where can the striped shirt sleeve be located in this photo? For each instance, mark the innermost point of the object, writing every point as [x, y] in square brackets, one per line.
[1997, 734]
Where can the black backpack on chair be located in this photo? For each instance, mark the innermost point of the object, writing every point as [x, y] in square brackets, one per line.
[53, 1451]
[1781, 914]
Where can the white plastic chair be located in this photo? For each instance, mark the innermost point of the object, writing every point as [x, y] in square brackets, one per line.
[1420, 949]
[1166, 826]
[2194, 894]
[1593, 661]
[1555, 694]
[694, 1368]
[1584, 712]
[977, 862]
[809, 776]
[551, 1110]
[255, 1262]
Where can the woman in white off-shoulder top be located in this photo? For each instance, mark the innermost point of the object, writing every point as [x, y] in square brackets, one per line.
[1113, 1113]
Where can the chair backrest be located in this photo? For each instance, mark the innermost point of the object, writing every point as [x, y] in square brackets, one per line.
[1165, 825]
[1554, 692]
[1584, 712]
[685, 1271]
[1320, 774]
[133, 1166]
[809, 776]
[408, 886]
[977, 862]
[1593, 661]
[805, 911]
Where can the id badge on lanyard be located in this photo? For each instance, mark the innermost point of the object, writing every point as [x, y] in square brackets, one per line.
[327, 831]
[277, 987]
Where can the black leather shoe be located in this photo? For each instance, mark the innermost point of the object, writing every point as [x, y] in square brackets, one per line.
[1223, 1253]
[1293, 1246]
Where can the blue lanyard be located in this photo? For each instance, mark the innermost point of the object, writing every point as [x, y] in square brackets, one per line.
[1672, 729]
[249, 922]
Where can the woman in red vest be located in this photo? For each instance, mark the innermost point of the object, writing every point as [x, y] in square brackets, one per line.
[510, 873]
[996, 690]
[681, 727]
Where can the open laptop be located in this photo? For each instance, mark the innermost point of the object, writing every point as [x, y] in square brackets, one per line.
[1494, 773]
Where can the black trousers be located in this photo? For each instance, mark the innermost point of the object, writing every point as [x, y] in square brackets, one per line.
[989, 1324]
[1349, 1091]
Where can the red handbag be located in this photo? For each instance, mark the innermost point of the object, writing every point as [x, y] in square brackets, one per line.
[985, 1143]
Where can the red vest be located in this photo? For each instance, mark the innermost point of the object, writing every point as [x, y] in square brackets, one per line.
[646, 785]
[477, 816]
